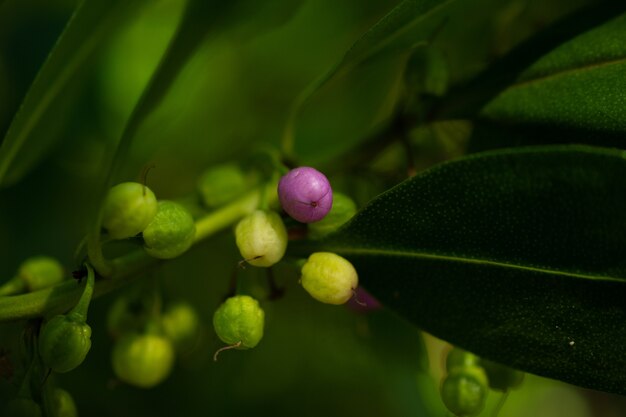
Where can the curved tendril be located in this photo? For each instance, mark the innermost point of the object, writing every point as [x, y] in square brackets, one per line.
[222, 349]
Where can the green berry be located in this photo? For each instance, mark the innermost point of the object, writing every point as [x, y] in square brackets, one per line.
[171, 232]
[41, 272]
[221, 184]
[128, 209]
[239, 322]
[64, 342]
[62, 404]
[343, 209]
[460, 358]
[181, 325]
[142, 360]
[329, 278]
[464, 390]
[22, 407]
[501, 378]
[261, 238]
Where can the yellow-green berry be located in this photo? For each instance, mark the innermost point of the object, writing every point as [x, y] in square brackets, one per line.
[329, 278]
[171, 232]
[239, 322]
[180, 324]
[261, 238]
[62, 404]
[128, 209]
[464, 391]
[64, 342]
[343, 209]
[142, 360]
[221, 184]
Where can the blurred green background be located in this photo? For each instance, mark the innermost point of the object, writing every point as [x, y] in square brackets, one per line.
[231, 98]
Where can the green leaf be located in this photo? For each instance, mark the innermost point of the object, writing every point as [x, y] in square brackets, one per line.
[26, 142]
[578, 85]
[516, 255]
[406, 26]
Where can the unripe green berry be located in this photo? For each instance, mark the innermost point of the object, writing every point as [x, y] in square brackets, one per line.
[501, 378]
[128, 209]
[62, 404]
[142, 360]
[171, 232]
[460, 358]
[221, 184]
[343, 210]
[239, 321]
[329, 278]
[41, 272]
[64, 342]
[22, 407]
[181, 325]
[261, 238]
[464, 390]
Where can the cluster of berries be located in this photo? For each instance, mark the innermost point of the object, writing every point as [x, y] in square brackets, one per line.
[468, 380]
[305, 195]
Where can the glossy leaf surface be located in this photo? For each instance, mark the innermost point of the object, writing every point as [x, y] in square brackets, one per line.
[516, 255]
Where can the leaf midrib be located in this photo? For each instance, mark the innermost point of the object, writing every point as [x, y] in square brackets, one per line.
[476, 261]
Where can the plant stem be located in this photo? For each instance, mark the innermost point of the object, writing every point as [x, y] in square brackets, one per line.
[126, 268]
[82, 307]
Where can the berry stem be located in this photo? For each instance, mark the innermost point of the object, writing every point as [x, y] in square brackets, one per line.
[500, 404]
[82, 307]
[124, 269]
[229, 347]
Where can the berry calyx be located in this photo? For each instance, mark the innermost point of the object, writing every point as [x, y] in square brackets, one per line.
[261, 238]
[142, 360]
[464, 391]
[329, 278]
[171, 231]
[343, 209]
[128, 209]
[239, 322]
[305, 194]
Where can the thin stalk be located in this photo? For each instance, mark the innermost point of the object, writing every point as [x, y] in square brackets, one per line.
[14, 286]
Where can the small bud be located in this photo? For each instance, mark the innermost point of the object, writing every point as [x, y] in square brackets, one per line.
[305, 194]
[464, 391]
[128, 209]
[239, 322]
[261, 238]
[64, 343]
[221, 184]
[329, 278]
[171, 232]
[62, 404]
[343, 210]
[181, 325]
[142, 360]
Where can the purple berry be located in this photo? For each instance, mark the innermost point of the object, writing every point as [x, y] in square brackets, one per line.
[305, 194]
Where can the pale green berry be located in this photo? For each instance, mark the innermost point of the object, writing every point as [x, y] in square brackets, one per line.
[329, 278]
[464, 390]
[40, 272]
[221, 184]
[64, 342]
[343, 209]
[180, 324]
[142, 360]
[22, 407]
[128, 209]
[62, 404]
[171, 232]
[239, 322]
[261, 238]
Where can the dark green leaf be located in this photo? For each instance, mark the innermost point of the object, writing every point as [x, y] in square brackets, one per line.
[517, 255]
[25, 143]
[578, 85]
